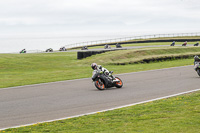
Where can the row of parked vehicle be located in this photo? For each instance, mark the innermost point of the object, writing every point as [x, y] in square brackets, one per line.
[184, 44]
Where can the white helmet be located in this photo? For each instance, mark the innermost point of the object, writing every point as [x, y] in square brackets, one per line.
[94, 66]
[196, 58]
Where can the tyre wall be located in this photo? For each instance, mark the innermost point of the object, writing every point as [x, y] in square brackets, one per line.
[84, 54]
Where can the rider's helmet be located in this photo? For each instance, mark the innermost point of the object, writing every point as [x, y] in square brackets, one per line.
[196, 58]
[94, 66]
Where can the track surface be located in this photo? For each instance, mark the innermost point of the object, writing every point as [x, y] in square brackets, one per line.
[36, 103]
[113, 48]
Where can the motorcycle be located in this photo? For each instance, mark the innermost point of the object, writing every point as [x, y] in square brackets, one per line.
[103, 81]
[185, 43]
[62, 49]
[196, 44]
[22, 51]
[84, 48]
[118, 45]
[173, 43]
[197, 67]
[107, 46]
[49, 50]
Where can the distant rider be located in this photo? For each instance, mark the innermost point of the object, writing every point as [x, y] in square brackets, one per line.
[185, 43]
[196, 61]
[100, 69]
[23, 51]
[196, 58]
[173, 43]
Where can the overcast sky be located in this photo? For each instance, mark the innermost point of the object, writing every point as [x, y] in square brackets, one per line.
[98, 16]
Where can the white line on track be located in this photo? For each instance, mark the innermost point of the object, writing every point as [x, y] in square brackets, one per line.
[105, 109]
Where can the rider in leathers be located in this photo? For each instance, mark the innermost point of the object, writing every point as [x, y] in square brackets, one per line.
[196, 62]
[100, 69]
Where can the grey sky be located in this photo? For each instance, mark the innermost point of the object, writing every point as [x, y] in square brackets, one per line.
[85, 16]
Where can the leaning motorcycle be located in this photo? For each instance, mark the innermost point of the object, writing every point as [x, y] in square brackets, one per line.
[22, 51]
[197, 67]
[103, 81]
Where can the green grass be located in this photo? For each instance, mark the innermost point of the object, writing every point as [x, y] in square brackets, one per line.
[136, 55]
[25, 69]
[22, 69]
[179, 114]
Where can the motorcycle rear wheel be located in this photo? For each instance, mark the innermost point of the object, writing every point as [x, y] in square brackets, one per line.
[99, 84]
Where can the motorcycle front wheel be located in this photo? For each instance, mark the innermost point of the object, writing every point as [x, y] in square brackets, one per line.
[99, 84]
[119, 83]
[198, 72]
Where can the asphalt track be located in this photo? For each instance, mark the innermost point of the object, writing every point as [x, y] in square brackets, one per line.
[49, 101]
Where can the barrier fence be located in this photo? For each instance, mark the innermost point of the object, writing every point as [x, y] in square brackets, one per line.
[125, 39]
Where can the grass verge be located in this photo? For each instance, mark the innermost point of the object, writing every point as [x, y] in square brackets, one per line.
[176, 114]
[25, 69]
[138, 55]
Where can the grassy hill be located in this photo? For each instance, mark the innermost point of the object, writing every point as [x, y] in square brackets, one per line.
[177, 114]
[24, 69]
